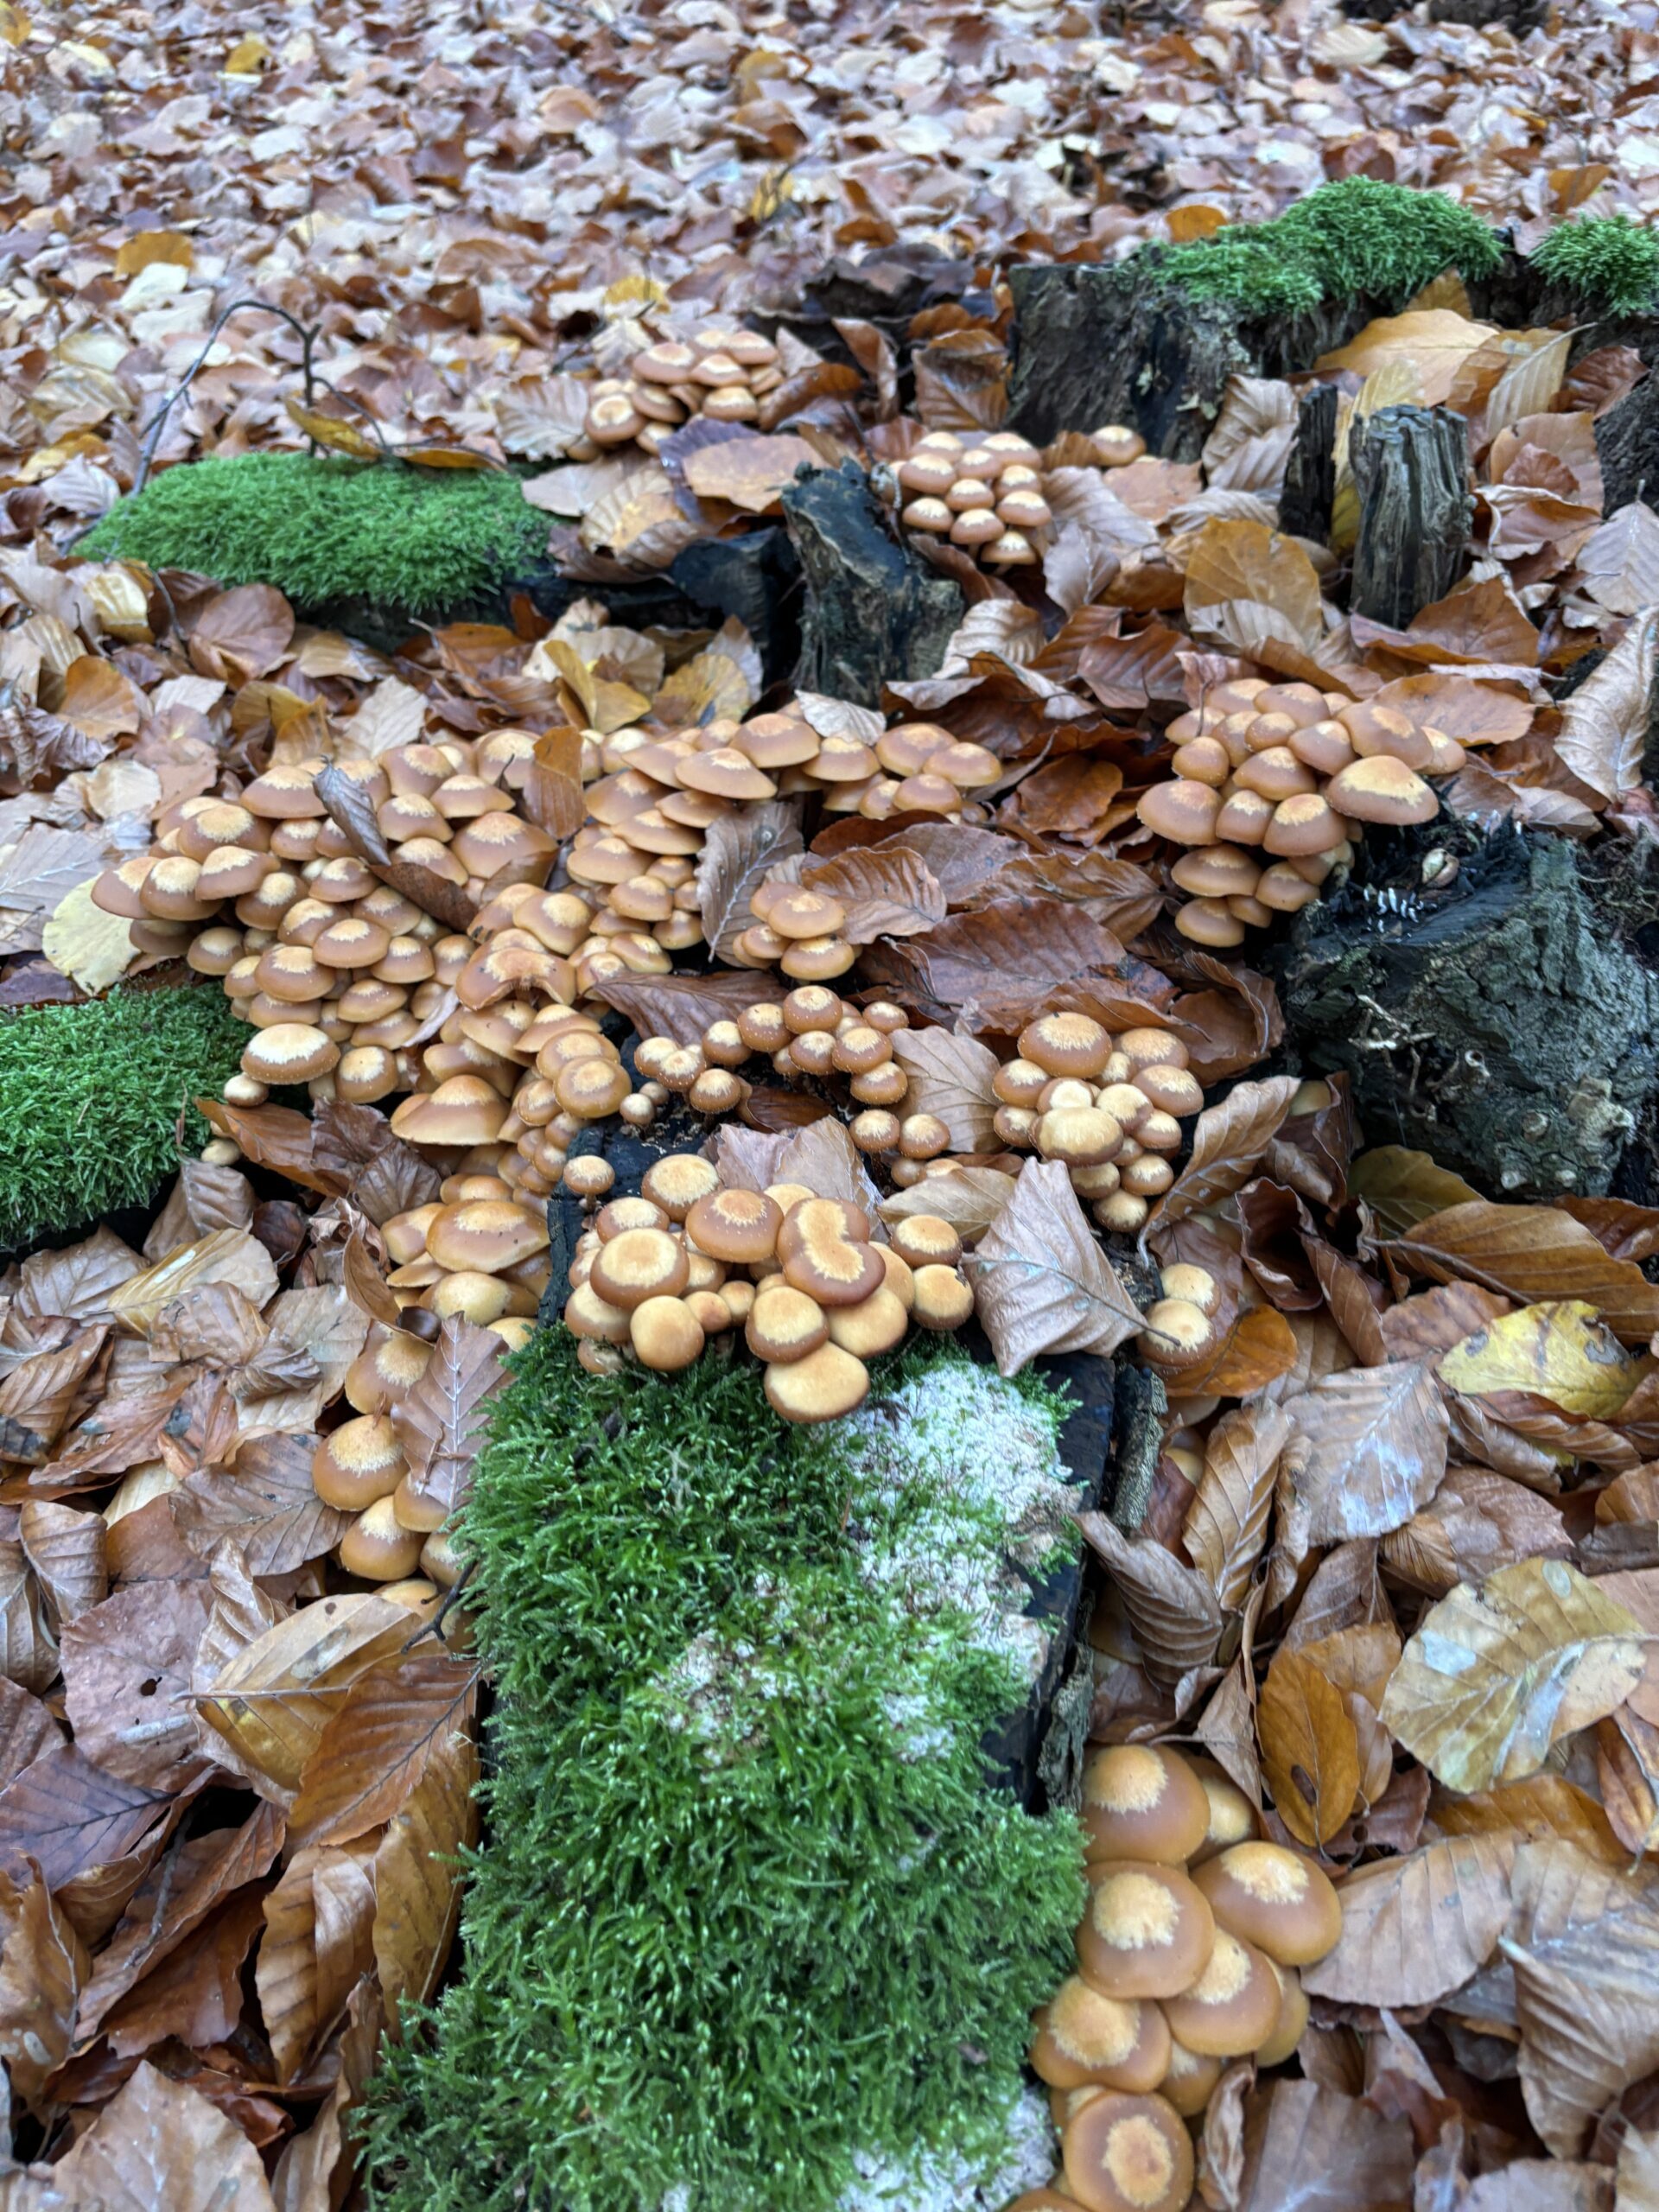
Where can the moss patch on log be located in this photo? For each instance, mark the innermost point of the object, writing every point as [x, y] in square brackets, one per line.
[751, 1922]
[1606, 261]
[91, 1098]
[421, 543]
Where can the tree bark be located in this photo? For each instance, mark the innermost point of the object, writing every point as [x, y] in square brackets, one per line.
[1311, 471]
[876, 611]
[1411, 470]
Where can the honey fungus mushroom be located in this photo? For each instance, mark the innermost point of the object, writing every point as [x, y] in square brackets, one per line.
[1142, 1802]
[1124, 2153]
[1274, 1898]
[1232, 2005]
[1083, 2038]
[1146, 1931]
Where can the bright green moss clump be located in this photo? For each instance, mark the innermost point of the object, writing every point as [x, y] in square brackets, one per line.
[748, 1902]
[90, 1097]
[1352, 239]
[1606, 261]
[421, 542]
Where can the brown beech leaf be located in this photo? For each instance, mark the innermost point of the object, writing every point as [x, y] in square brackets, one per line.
[950, 1076]
[750, 472]
[316, 1946]
[1260, 1347]
[374, 1750]
[67, 1815]
[1476, 1523]
[159, 2142]
[887, 891]
[438, 1420]
[1227, 1522]
[1375, 1441]
[1434, 1320]
[1228, 1140]
[126, 1671]
[1588, 2004]
[28, 1655]
[1528, 1253]
[1494, 1676]
[999, 965]
[682, 1007]
[1605, 722]
[1310, 1754]
[1402, 1188]
[970, 1199]
[417, 1897]
[1042, 1282]
[1227, 1730]
[962, 861]
[1544, 1808]
[36, 1396]
[42, 1968]
[314, 2171]
[1117, 894]
[1414, 1928]
[1172, 1610]
[266, 1503]
[232, 1256]
[1310, 2149]
[26, 1729]
[195, 1993]
[738, 851]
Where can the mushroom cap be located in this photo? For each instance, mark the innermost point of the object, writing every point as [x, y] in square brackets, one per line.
[929, 512]
[927, 472]
[1323, 746]
[927, 1240]
[664, 1333]
[824, 1386]
[1084, 2037]
[1305, 823]
[1232, 1817]
[1182, 810]
[740, 1227]
[1233, 2006]
[640, 1263]
[589, 1316]
[1147, 1931]
[1171, 1090]
[464, 1109]
[811, 1006]
[1275, 772]
[1282, 890]
[353, 941]
[1381, 789]
[778, 742]
[941, 1298]
[823, 1256]
[286, 793]
[1203, 760]
[378, 1548]
[1124, 2153]
[798, 912]
[1065, 1044]
[1189, 2079]
[1142, 1802]
[1373, 730]
[874, 1325]
[486, 1235]
[975, 526]
[676, 1181]
[1293, 2009]
[725, 772]
[1217, 871]
[388, 1366]
[784, 1324]
[1244, 817]
[359, 1462]
[288, 1051]
[1275, 1898]
[1080, 1136]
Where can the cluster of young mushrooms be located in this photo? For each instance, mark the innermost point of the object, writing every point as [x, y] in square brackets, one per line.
[1187, 1958]
[719, 370]
[1273, 785]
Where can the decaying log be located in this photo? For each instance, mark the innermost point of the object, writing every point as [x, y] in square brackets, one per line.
[1411, 471]
[876, 613]
[1310, 483]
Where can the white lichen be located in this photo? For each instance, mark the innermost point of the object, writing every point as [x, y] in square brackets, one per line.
[941, 2182]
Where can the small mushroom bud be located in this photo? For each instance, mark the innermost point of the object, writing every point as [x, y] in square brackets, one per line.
[1020, 1083]
[1125, 2153]
[1084, 2038]
[716, 1091]
[814, 1052]
[942, 1300]
[1115, 445]
[1209, 922]
[1142, 1802]
[1203, 760]
[762, 1027]
[927, 1240]
[359, 1463]
[875, 1131]
[664, 1333]
[1120, 1214]
[923, 1136]
[883, 1086]
[975, 526]
[1147, 1931]
[613, 419]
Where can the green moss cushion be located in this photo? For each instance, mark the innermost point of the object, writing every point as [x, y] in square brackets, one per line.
[91, 1097]
[417, 541]
[1607, 261]
[751, 1928]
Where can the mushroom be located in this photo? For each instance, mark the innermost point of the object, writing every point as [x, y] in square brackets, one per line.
[823, 1254]
[377, 1548]
[824, 1385]
[1147, 1931]
[359, 1463]
[1124, 2153]
[784, 1324]
[287, 1052]
[740, 1227]
[1232, 2006]
[1293, 2009]
[486, 1235]
[874, 1325]
[1189, 2080]
[1142, 1802]
[1113, 2043]
[663, 1331]
[1274, 1898]
[640, 1263]
[1381, 789]
[1183, 810]
[941, 1299]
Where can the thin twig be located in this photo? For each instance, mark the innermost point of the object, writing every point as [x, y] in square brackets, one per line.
[308, 335]
[434, 1626]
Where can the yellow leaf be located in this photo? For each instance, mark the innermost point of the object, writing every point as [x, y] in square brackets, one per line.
[417, 1896]
[122, 602]
[271, 1701]
[329, 430]
[635, 295]
[1435, 340]
[1562, 1352]
[145, 247]
[93, 59]
[229, 1256]
[1310, 1752]
[13, 24]
[1186, 224]
[446, 457]
[247, 57]
[82, 942]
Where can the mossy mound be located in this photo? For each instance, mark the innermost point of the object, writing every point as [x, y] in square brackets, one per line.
[751, 1923]
[1354, 240]
[419, 543]
[91, 1097]
[1606, 261]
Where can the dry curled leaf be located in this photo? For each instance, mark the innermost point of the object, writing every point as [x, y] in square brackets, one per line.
[1228, 1140]
[1172, 1610]
[1415, 1928]
[950, 1076]
[1375, 1449]
[1559, 1352]
[1309, 1753]
[1042, 1282]
[738, 851]
[1227, 1522]
[438, 1420]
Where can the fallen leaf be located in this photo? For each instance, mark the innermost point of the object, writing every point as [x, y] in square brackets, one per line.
[1416, 1928]
[738, 851]
[374, 1750]
[1588, 2010]
[1310, 2149]
[42, 1968]
[1228, 1142]
[749, 471]
[1310, 1755]
[437, 1420]
[1172, 1610]
[1375, 1449]
[417, 1899]
[950, 1076]
[92, 948]
[1605, 722]
[886, 890]
[1477, 1522]
[1558, 1352]
[1434, 340]
[970, 1199]
[127, 1669]
[1042, 1282]
[317, 1945]
[1227, 1522]
[67, 1815]
[158, 2143]
[1531, 1252]
[1494, 1676]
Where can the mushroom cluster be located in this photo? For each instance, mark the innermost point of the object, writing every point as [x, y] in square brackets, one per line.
[720, 370]
[812, 1033]
[1108, 1107]
[1187, 1957]
[1273, 783]
[985, 494]
[691, 1261]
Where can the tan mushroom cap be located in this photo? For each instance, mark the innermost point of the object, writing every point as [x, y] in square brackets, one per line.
[352, 941]
[1381, 789]
[387, 1369]
[1124, 2153]
[287, 792]
[1189, 2079]
[288, 1051]
[740, 1227]
[778, 742]
[726, 772]
[828, 1383]
[942, 1300]
[590, 1317]
[1147, 1930]
[1305, 824]
[1113, 2043]
[359, 1462]
[377, 1548]
[822, 1257]
[640, 1263]
[1065, 1044]
[1232, 2006]
[1142, 1802]
[927, 1240]
[1183, 810]
[1217, 871]
[1274, 1898]
[1208, 921]
[798, 912]
[676, 1181]
[784, 1324]
[874, 1325]
[464, 1109]
[664, 1333]
[485, 1234]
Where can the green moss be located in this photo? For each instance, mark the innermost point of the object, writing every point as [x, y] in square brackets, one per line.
[421, 542]
[1355, 239]
[1607, 261]
[748, 1902]
[91, 1095]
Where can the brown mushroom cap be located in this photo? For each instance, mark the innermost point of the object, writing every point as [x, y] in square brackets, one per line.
[640, 1263]
[387, 1369]
[1044, 2200]
[1381, 789]
[378, 1548]
[1183, 810]
[1084, 2037]
[288, 1051]
[589, 1316]
[485, 1234]
[1126, 2153]
[784, 1324]
[359, 1462]
[927, 1240]
[822, 1257]
[798, 912]
[1065, 1044]
[874, 1325]
[1142, 1802]
[1189, 2079]
[464, 1109]
[1232, 1817]
[664, 1331]
[942, 1300]
[1217, 871]
[737, 1226]
[1209, 921]
[1293, 2009]
[1147, 1931]
[1079, 1136]
[824, 1386]
[1232, 2006]
[1275, 1898]
[676, 1181]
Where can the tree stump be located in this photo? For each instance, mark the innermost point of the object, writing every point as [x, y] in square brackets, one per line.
[876, 611]
[1411, 470]
[755, 577]
[1309, 484]
[1483, 1007]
